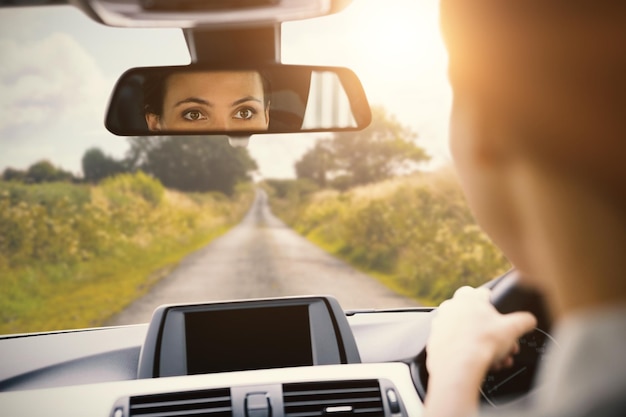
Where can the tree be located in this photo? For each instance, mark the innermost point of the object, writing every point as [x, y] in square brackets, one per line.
[97, 165]
[317, 163]
[192, 163]
[12, 174]
[382, 150]
[44, 171]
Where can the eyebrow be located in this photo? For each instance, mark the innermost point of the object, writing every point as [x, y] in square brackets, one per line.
[244, 99]
[194, 100]
[208, 103]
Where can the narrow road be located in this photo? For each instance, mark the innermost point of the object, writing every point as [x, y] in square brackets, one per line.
[261, 257]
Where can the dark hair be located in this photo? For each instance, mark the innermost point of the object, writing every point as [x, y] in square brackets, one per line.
[154, 90]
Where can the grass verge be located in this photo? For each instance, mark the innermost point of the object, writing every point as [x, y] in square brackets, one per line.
[97, 290]
[73, 263]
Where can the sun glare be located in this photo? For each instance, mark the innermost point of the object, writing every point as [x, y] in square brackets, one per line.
[402, 33]
[396, 50]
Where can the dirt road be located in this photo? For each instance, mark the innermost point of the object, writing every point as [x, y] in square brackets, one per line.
[261, 257]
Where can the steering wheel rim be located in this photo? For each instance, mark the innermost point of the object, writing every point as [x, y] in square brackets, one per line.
[507, 296]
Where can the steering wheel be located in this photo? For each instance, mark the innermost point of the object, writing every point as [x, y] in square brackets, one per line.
[503, 387]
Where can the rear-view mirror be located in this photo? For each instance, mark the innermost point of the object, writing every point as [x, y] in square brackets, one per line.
[263, 99]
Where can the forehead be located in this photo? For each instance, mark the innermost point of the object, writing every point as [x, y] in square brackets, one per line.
[215, 82]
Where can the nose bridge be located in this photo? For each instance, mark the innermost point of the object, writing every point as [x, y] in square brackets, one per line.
[221, 119]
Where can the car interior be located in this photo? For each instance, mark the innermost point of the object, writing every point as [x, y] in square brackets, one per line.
[273, 357]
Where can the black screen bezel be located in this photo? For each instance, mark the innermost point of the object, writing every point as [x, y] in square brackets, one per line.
[332, 341]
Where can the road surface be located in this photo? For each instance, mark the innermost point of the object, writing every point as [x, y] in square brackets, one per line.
[261, 257]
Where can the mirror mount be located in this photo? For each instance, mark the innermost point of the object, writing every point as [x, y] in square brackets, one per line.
[242, 46]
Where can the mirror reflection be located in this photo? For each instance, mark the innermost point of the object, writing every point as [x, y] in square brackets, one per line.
[196, 101]
[273, 99]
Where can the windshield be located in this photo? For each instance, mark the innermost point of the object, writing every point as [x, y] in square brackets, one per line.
[98, 230]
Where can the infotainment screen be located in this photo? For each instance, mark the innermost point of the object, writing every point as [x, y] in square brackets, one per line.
[235, 340]
[188, 339]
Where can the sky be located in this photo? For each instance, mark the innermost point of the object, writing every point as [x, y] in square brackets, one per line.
[57, 69]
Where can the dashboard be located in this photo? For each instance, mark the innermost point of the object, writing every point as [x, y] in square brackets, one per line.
[103, 371]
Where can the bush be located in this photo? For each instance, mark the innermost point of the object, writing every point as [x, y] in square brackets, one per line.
[59, 242]
[418, 231]
[121, 188]
[45, 194]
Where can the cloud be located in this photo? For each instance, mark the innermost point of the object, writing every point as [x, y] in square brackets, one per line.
[52, 93]
[46, 81]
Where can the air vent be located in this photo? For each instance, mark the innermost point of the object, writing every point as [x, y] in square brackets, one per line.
[339, 398]
[214, 403]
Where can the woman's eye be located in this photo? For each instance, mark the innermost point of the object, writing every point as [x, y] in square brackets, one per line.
[193, 115]
[245, 114]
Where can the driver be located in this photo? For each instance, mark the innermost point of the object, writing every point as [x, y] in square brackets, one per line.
[538, 134]
[207, 101]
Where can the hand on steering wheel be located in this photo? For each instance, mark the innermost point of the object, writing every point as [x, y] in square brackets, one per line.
[457, 343]
[469, 326]
[468, 337]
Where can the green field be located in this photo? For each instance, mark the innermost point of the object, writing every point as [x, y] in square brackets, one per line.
[73, 255]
